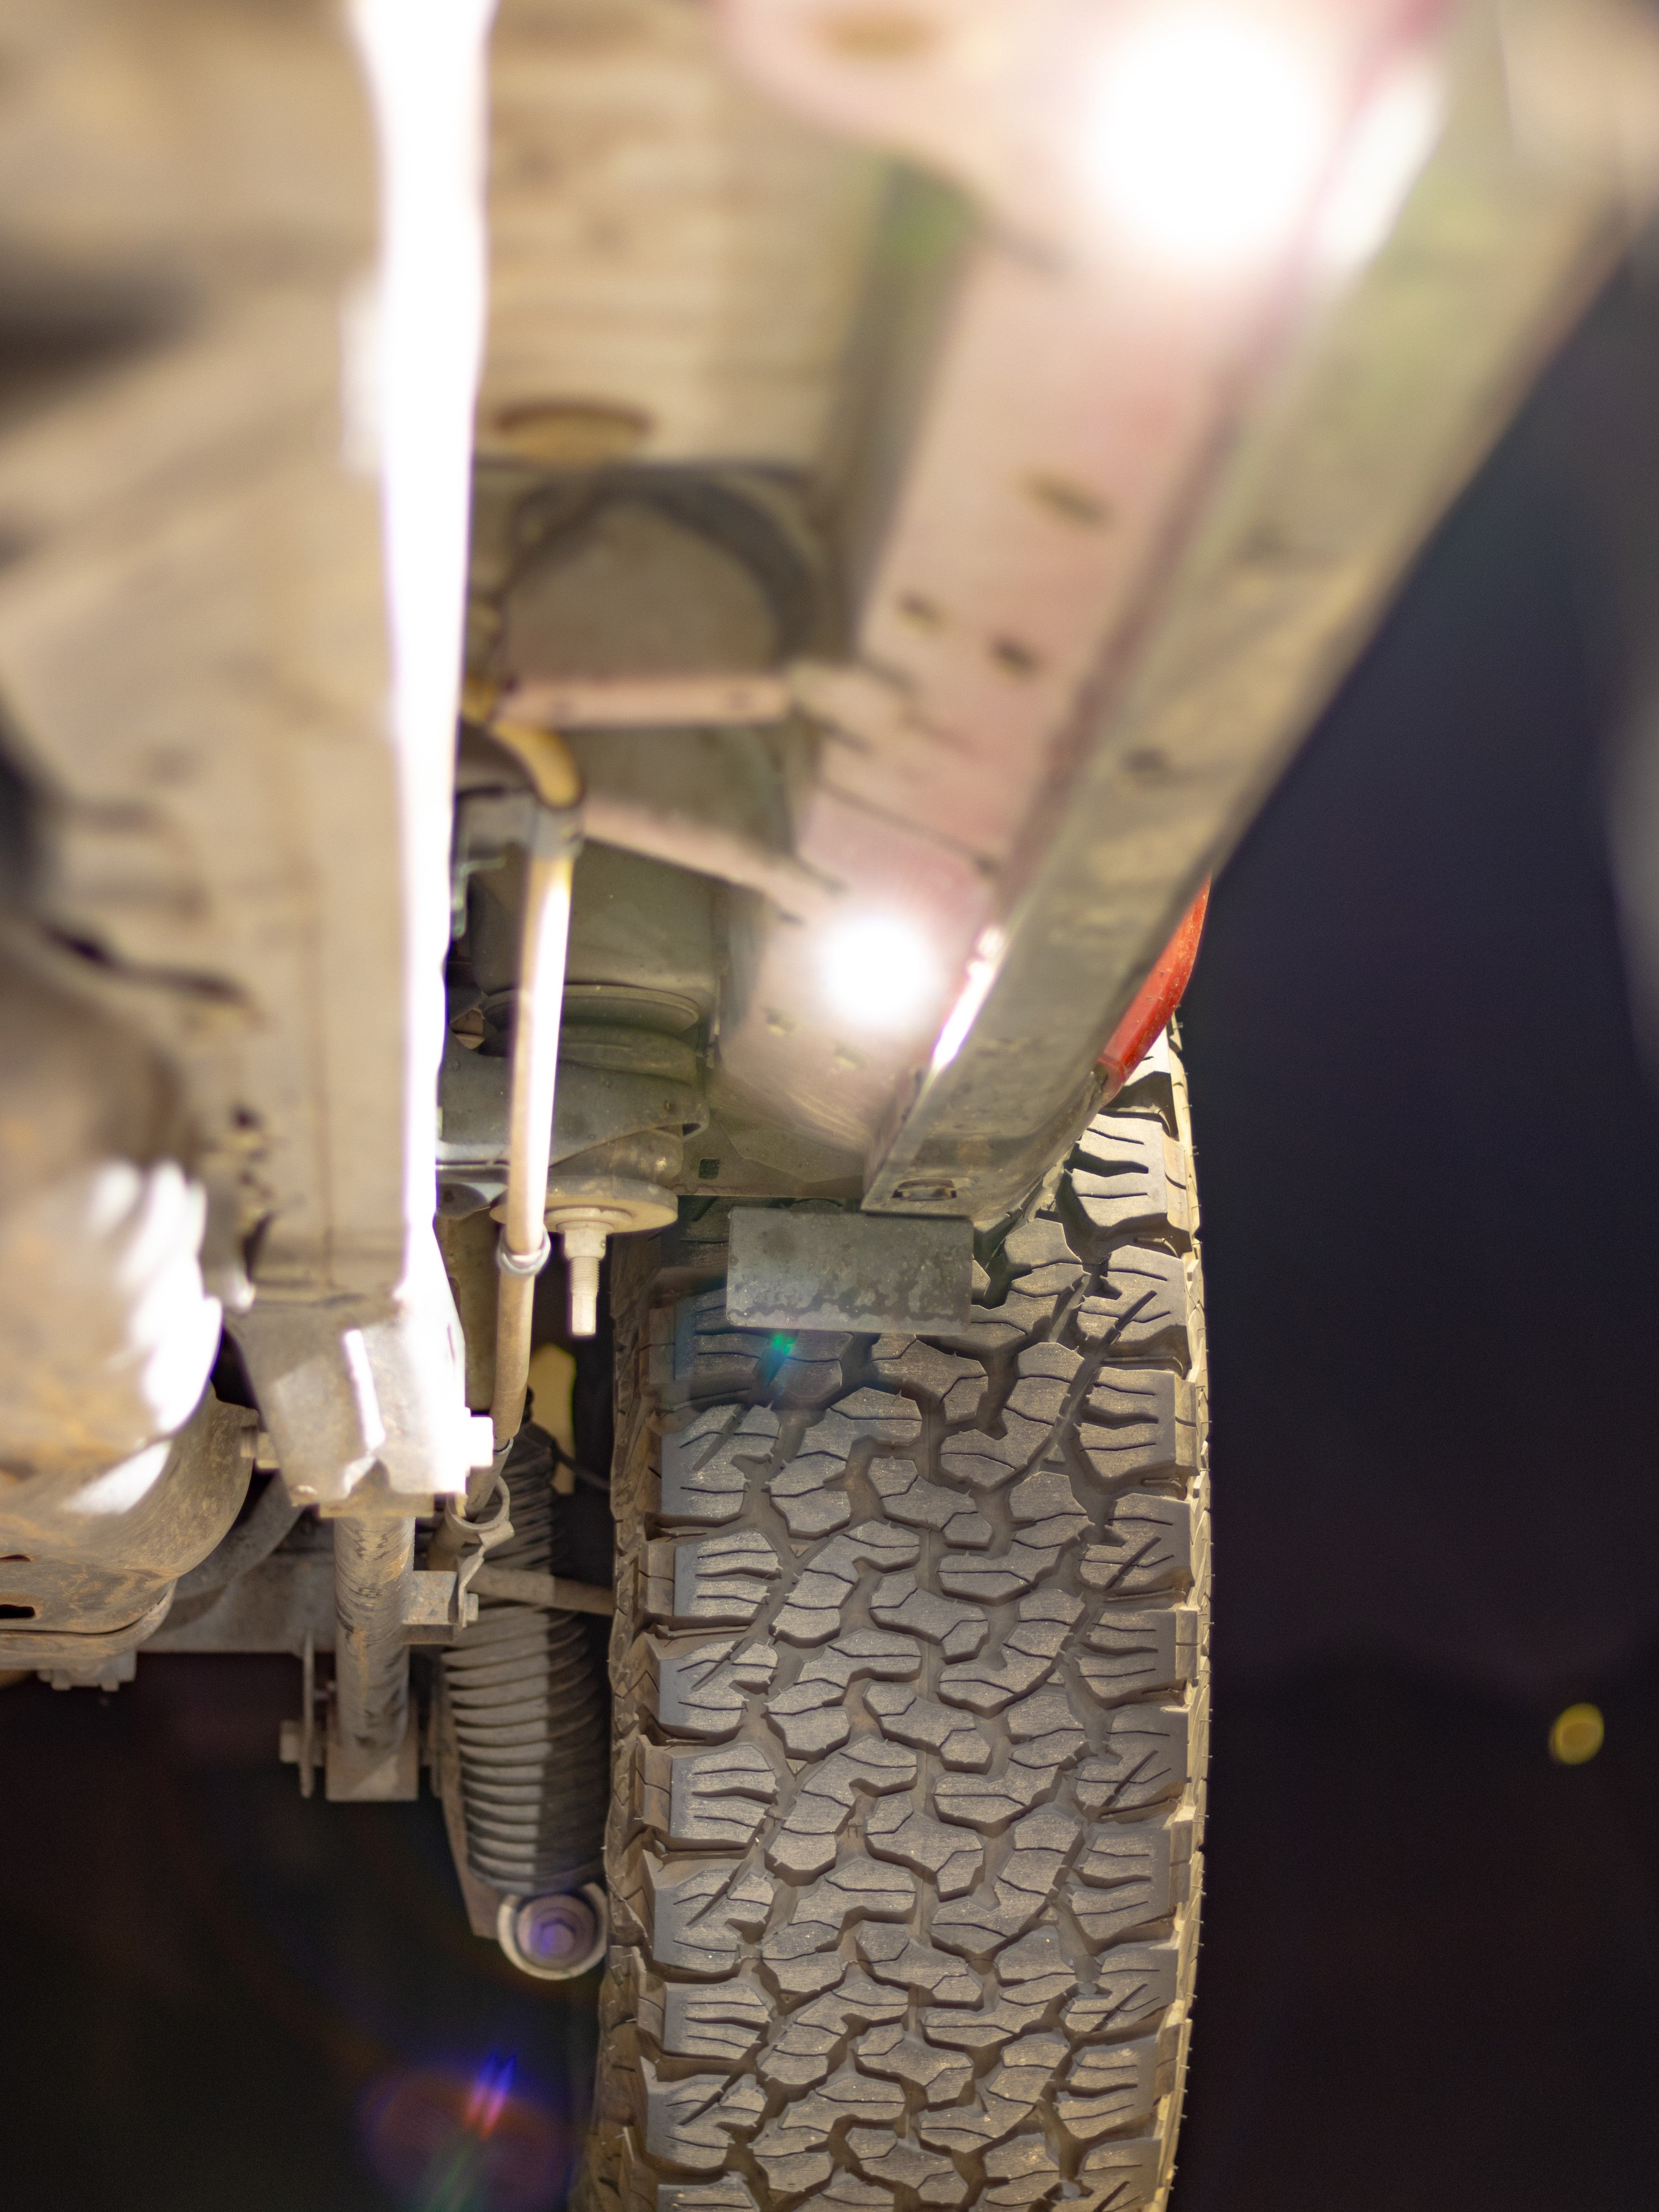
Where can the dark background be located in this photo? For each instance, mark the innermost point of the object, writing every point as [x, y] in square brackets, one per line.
[1430, 1170]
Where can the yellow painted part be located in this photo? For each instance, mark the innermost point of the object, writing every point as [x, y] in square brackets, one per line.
[553, 1379]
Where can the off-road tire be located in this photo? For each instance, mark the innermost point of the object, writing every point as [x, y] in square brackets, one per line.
[911, 1707]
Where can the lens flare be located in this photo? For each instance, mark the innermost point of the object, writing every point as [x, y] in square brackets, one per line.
[490, 2087]
[1388, 146]
[449, 2138]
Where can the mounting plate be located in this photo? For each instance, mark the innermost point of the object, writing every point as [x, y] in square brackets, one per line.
[800, 1268]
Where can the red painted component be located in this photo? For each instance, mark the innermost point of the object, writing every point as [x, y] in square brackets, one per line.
[1150, 1009]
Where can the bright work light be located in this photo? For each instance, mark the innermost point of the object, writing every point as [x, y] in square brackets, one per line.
[879, 973]
[1207, 132]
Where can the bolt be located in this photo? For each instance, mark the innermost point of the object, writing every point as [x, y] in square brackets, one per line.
[583, 1248]
[555, 1931]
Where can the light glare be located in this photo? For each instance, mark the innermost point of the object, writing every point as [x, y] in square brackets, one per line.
[879, 973]
[1388, 148]
[1206, 137]
[976, 988]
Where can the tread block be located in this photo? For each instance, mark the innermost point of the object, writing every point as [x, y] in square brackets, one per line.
[1043, 1288]
[1127, 1179]
[802, 1489]
[980, 1926]
[1025, 2169]
[943, 1378]
[823, 1800]
[811, 1613]
[1041, 1264]
[994, 1330]
[1007, 2096]
[806, 1494]
[1146, 1544]
[1133, 1652]
[794, 2142]
[730, 2193]
[1045, 1510]
[1137, 1982]
[725, 2020]
[1045, 1717]
[1030, 1975]
[807, 2041]
[1135, 1876]
[706, 1466]
[810, 1714]
[938, 2075]
[858, 1888]
[973, 1455]
[690, 2122]
[908, 1718]
[894, 1954]
[1048, 1735]
[711, 1581]
[898, 1602]
[1037, 1963]
[934, 2180]
[710, 1357]
[1029, 1652]
[1119, 2177]
[703, 1689]
[1140, 1423]
[1151, 1087]
[989, 1802]
[1110, 2085]
[904, 1832]
[1041, 1241]
[841, 2193]
[712, 1800]
[986, 2030]
[1047, 1373]
[1059, 1363]
[911, 1499]
[1144, 1758]
[811, 1374]
[882, 1416]
[695, 1910]
[993, 1582]
[1138, 1307]
[1044, 1504]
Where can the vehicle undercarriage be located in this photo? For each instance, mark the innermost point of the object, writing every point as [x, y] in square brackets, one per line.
[662, 818]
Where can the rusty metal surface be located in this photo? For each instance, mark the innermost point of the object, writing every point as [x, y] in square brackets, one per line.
[370, 1747]
[89, 1655]
[93, 1549]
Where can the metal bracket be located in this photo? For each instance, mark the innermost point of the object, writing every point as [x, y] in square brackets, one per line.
[864, 1272]
[429, 1614]
[75, 1660]
[467, 1542]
